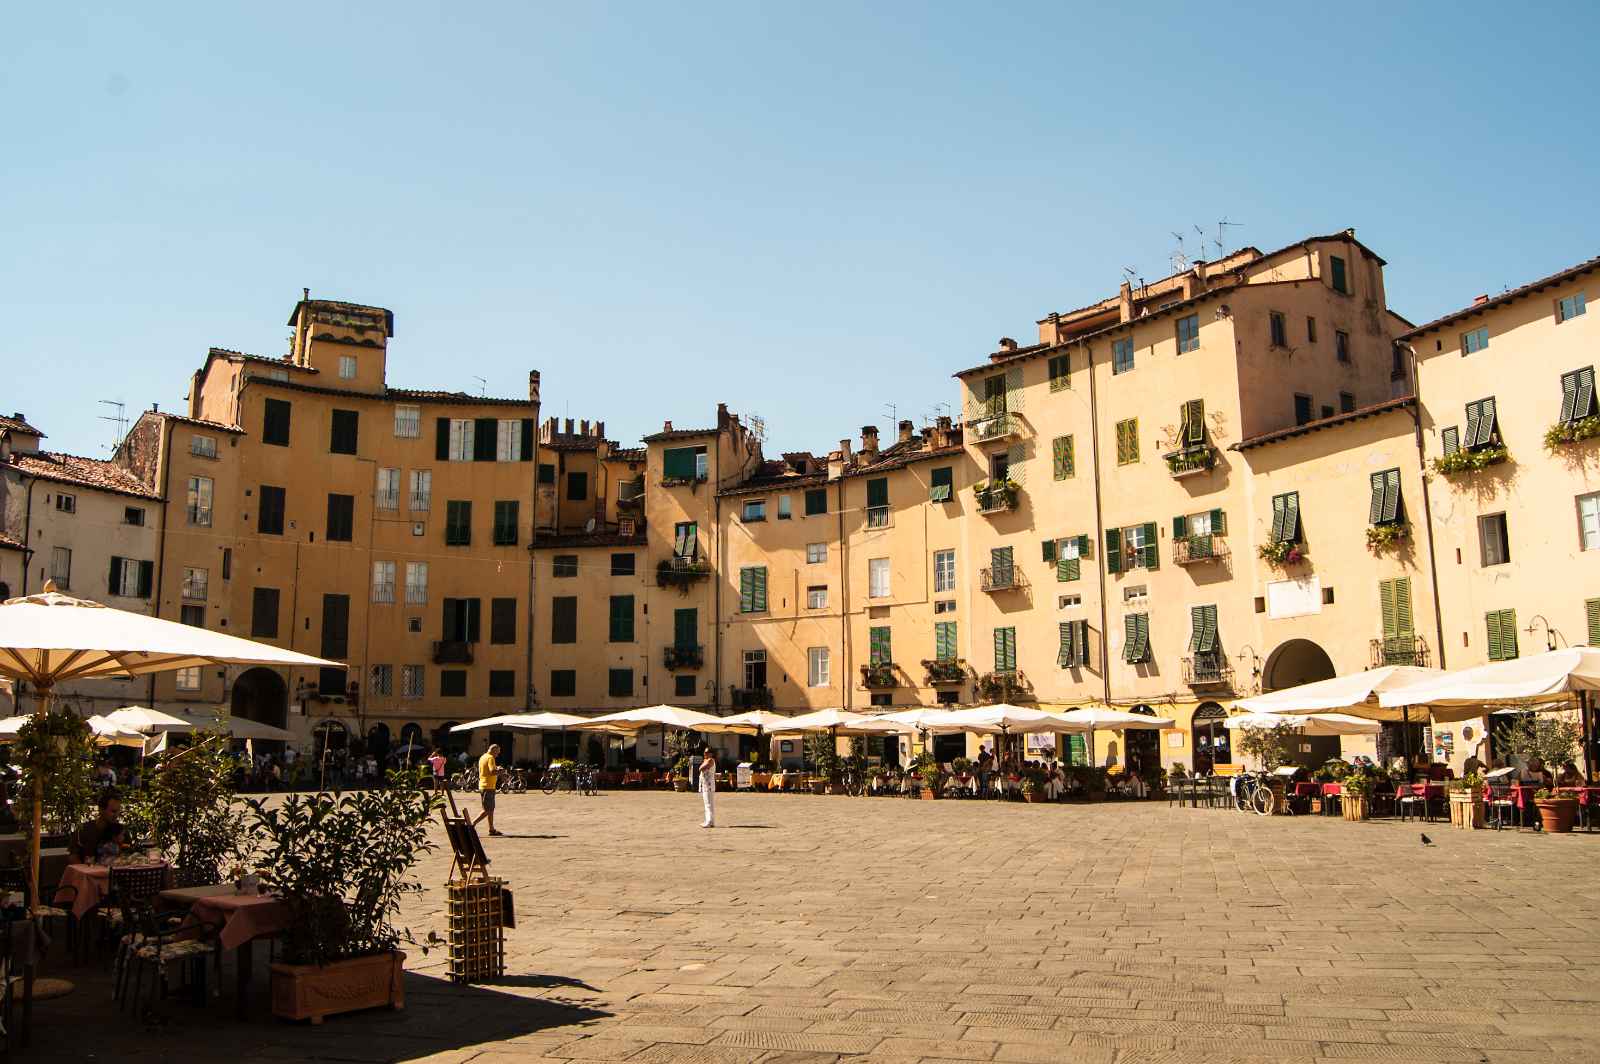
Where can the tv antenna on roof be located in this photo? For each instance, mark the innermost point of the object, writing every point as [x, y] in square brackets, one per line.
[119, 419]
[758, 427]
[483, 385]
[1221, 226]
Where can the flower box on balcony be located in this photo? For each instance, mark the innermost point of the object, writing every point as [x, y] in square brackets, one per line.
[1207, 670]
[1563, 433]
[1280, 554]
[1471, 461]
[680, 572]
[1191, 460]
[1382, 537]
[1003, 686]
[995, 497]
[880, 675]
[678, 482]
[685, 657]
[945, 672]
[1194, 550]
[1001, 578]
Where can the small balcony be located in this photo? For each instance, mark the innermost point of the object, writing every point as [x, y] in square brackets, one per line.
[678, 482]
[751, 697]
[942, 673]
[680, 571]
[996, 499]
[1400, 650]
[683, 657]
[879, 675]
[1208, 670]
[451, 652]
[630, 496]
[995, 426]
[1197, 550]
[1002, 578]
[1004, 686]
[1190, 461]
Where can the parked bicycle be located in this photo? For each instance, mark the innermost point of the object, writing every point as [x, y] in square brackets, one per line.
[579, 779]
[1252, 793]
[465, 780]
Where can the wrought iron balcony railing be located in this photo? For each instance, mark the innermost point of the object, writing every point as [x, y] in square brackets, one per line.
[1400, 650]
[879, 675]
[945, 671]
[1208, 670]
[1193, 550]
[1001, 578]
[683, 657]
[996, 500]
[1190, 460]
[751, 697]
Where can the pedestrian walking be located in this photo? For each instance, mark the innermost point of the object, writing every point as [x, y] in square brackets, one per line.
[708, 785]
[436, 765]
[488, 780]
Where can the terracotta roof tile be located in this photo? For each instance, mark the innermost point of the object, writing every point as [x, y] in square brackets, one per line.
[19, 424]
[85, 472]
[1506, 297]
[678, 434]
[7, 543]
[199, 422]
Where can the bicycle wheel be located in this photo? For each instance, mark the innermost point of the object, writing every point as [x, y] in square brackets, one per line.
[852, 785]
[1261, 800]
[550, 782]
[591, 784]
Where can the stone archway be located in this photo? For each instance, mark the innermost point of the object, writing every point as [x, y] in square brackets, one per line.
[259, 694]
[1296, 662]
[1213, 744]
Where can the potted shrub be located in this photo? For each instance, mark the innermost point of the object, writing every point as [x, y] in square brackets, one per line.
[342, 865]
[187, 808]
[680, 773]
[1033, 780]
[1382, 537]
[1552, 739]
[1565, 432]
[57, 751]
[961, 766]
[1354, 793]
[932, 779]
[1471, 460]
[1466, 802]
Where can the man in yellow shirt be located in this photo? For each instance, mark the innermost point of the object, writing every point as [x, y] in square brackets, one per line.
[488, 779]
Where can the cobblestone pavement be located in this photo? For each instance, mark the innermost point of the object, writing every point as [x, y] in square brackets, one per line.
[819, 929]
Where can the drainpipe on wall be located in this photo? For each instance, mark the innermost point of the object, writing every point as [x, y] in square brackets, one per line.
[528, 696]
[844, 600]
[721, 570]
[1099, 523]
[1427, 503]
[165, 452]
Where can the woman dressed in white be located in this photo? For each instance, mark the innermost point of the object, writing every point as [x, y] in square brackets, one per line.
[708, 785]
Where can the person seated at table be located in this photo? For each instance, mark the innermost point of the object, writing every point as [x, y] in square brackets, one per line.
[1474, 765]
[1052, 781]
[111, 842]
[1535, 773]
[85, 842]
[1569, 776]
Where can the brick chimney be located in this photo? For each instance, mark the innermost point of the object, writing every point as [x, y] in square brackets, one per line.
[567, 427]
[869, 441]
[666, 426]
[941, 431]
[908, 429]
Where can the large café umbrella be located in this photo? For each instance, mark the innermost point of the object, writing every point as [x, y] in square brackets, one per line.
[1360, 694]
[1309, 724]
[106, 733]
[50, 638]
[144, 720]
[634, 721]
[1091, 719]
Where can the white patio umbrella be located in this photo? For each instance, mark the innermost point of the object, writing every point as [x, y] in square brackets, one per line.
[49, 638]
[1091, 719]
[922, 718]
[838, 721]
[1358, 694]
[631, 721]
[756, 720]
[1309, 724]
[105, 732]
[525, 721]
[237, 727]
[1015, 720]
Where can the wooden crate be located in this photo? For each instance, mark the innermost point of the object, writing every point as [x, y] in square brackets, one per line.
[477, 932]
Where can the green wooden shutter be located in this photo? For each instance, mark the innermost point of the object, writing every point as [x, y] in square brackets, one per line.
[621, 618]
[1194, 422]
[1386, 609]
[1474, 422]
[1180, 527]
[1085, 546]
[1151, 553]
[685, 627]
[1130, 638]
[747, 590]
[1277, 518]
[1064, 655]
[1291, 517]
[1000, 557]
[944, 640]
[1048, 547]
[1113, 550]
[878, 491]
[1391, 495]
[1144, 637]
[1450, 439]
[939, 487]
[1592, 610]
[760, 589]
[1375, 506]
[1197, 625]
[1061, 457]
[878, 643]
[1014, 388]
[1000, 651]
[1508, 632]
[1585, 403]
[1491, 622]
[1569, 395]
[678, 463]
[1068, 569]
[1402, 608]
[1016, 464]
[1487, 428]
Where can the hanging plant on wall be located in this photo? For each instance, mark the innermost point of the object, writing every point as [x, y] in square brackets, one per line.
[57, 749]
[1381, 537]
[1465, 461]
[1564, 432]
[1281, 554]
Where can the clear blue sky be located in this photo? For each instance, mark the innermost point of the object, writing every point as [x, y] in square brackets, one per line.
[807, 211]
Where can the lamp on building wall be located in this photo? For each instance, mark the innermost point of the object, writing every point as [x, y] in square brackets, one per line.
[1550, 633]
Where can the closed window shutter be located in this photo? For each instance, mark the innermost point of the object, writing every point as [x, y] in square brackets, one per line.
[147, 573]
[1016, 466]
[1085, 547]
[1375, 508]
[944, 640]
[1492, 624]
[1113, 550]
[1450, 439]
[1402, 608]
[1061, 457]
[1194, 421]
[1048, 548]
[1014, 388]
[878, 492]
[1508, 633]
[685, 627]
[1151, 552]
[879, 646]
[678, 462]
[1180, 527]
[1067, 569]
[1592, 611]
[1064, 656]
[1386, 607]
[485, 437]
[1585, 404]
[999, 650]
[747, 590]
[114, 580]
[1122, 443]
[1219, 525]
[441, 439]
[760, 589]
[1569, 395]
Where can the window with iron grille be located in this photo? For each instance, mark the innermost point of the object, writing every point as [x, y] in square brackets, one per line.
[381, 681]
[416, 583]
[408, 422]
[383, 582]
[203, 446]
[198, 505]
[421, 489]
[386, 496]
[411, 681]
[195, 584]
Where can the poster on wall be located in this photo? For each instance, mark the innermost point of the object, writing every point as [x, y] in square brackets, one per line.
[1041, 745]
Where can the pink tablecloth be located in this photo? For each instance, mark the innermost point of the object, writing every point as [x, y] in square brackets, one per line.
[93, 885]
[243, 917]
[1332, 790]
[1426, 791]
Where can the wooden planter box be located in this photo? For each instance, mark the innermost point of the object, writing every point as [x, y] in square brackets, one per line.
[310, 992]
[1355, 806]
[1466, 810]
[1557, 814]
[927, 794]
[1032, 796]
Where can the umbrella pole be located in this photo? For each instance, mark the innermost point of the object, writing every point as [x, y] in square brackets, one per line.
[46, 693]
[1583, 715]
[1405, 736]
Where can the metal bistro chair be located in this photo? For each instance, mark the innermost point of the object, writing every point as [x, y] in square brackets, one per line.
[57, 903]
[157, 940]
[133, 892]
[1502, 804]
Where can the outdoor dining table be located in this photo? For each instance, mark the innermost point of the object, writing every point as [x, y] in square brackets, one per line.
[93, 884]
[28, 944]
[243, 918]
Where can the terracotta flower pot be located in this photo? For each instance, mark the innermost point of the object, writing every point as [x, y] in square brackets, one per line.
[1557, 814]
[1032, 796]
[310, 992]
[928, 794]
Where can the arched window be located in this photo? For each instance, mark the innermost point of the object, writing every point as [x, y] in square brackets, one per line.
[1212, 744]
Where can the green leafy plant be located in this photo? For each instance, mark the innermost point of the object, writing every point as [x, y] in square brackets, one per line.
[1549, 737]
[960, 765]
[1471, 461]
[1281, 553]
[343, 865]
[56, 749]
[996, 494]
[1564, 432]
[822, 754]
[1356, 785]
[187, 808]
[1091, 779]
[952, 671]
[1002, 686]
[1271, 746]
[1471, 783]
[1381, 537]
[682, 767]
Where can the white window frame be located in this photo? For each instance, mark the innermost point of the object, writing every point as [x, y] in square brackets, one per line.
[388, 490]
[784, 508]
[412, 681]
[1589, 523]
[61, 567]
[200, 495]
[879, 578]
[421, 496]
[463, 433]
[753, 510]
[66, 502]
[203, 446]
[407, 422]
[507, 440]
[1136, 595]
[1199, 524]
[1133, 545]
[127, 585]
[196, 584]
[817, 597]
[944, 570]
[1500, 544]
[416, 583]
[347, 367]
[1069, 602]
[383, 582]
[188, 679]
[819, 667]
[816, 553]
[944, 606]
